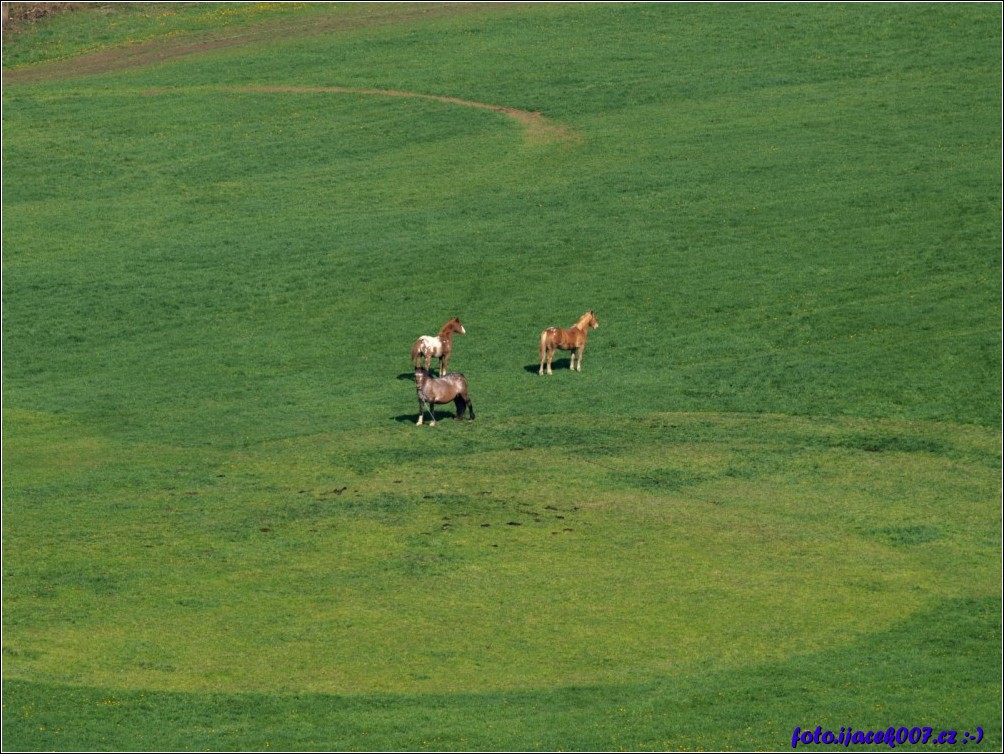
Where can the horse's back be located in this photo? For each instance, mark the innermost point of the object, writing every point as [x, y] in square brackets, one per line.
[445, 388]
[561, 337]
[454, 378]
[427, 344]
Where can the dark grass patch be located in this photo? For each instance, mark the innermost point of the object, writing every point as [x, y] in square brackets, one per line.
[669, 480]
[906, 536]
[892, 444]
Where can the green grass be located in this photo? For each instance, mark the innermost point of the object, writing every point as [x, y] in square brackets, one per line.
[771, 499]
[713, 710]
[65, 36]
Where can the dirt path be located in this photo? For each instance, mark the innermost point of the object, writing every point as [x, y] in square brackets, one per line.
[169, 48]
[535, 126]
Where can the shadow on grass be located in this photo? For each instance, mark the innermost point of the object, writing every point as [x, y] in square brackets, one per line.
[412, 418]
[555, 366]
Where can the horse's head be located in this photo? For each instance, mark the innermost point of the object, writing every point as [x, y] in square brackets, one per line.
[421, 375]
[591, 319]
[454, 325]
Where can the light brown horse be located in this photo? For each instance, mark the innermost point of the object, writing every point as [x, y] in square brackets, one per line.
[440, 346]
[567, 339]
[433, 390]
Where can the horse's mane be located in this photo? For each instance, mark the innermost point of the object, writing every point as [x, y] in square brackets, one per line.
[447, 329]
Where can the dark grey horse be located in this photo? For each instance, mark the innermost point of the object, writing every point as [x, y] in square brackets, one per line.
[433, 390]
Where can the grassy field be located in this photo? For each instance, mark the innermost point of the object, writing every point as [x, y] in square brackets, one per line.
[771, 499]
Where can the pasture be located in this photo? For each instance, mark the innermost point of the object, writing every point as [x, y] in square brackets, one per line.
[770, 500]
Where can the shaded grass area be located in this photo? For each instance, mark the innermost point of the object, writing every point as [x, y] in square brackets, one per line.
[755, 707]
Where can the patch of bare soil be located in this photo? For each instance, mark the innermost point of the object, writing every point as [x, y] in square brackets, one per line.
[16, 15]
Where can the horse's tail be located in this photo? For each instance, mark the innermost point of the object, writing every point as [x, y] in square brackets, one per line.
[416, 352]
[543, 342]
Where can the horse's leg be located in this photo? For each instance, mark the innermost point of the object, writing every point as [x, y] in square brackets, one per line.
[443, 361]
[550, 358]
[461, 405]
[424, 406]
[580, 350]
[571, 358]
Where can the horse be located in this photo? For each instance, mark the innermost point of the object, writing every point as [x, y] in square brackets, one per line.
[428, 347]
[567, 339]
[432, 390]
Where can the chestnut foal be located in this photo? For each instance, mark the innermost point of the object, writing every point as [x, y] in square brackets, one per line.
[440, 346]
